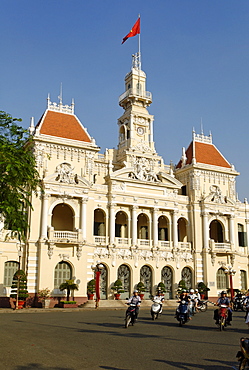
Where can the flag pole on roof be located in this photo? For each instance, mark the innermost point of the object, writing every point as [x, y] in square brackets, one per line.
[133, 32]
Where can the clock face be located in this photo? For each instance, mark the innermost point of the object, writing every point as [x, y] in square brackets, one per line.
[140, 130]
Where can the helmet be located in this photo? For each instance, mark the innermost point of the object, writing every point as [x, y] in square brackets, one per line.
[223, 292]
[135, 291]
[191, 291]
[196, 290]
[184, 291]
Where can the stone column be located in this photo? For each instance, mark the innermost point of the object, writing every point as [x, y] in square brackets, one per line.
[155, 227]
[205, 229]
[44, 220]
[231, 230]
[175, 232]
[111, 223]
[83, 203]
[134, 225]
[247, 234]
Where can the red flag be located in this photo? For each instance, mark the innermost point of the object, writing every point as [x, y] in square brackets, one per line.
[134, 31]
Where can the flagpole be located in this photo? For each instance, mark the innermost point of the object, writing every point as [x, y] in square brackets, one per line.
[139, 45]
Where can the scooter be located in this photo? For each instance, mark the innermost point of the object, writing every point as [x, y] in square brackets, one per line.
[238, 304]
[182, 313]
[130, 315]
[202, 306]
[156, 308]
[243, 354]
[222, 317]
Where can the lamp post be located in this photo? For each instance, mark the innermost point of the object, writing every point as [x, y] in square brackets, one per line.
[230, 272]
[97, 270]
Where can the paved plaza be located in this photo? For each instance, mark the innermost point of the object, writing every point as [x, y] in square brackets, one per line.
[97, 339]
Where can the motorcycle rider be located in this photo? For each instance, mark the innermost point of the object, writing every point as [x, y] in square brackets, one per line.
[192, 302]
[246, 304]
[223, 300]
[135, 299]
[198, 296]
[159, 297]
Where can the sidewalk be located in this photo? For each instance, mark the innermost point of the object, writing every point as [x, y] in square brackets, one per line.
[90, 305]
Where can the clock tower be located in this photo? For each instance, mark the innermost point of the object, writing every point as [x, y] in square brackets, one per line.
[136, 124]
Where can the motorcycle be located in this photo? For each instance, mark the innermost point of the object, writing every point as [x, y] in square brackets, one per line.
[222, 317]
[243, 354]
[202, 306]
[182, 313]
[156, 308]
[238, 304]
[130, 315]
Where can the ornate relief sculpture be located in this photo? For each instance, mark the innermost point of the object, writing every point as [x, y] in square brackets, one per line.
[66, 174]
[143, 170]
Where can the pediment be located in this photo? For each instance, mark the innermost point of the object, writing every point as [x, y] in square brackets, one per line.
[148, 177]
[216, 196]
[65, 174]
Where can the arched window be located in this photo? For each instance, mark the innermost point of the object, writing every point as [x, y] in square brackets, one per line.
[99, 222]
[167, 279]
[221, 279]
[241, 236]
[10, 268]
[146, 278]
[182, 230]
[216, 231]
[243, 280]
[124, 275]
[63, 218]
[62, 272]
[187, 277]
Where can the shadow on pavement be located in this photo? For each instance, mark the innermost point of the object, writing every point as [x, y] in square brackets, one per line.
[187, 365]
[36, 366]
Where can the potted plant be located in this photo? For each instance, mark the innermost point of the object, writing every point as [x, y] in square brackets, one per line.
[203, 289]
[181, 286]
[161, 288]
[141, 289]
[68, 304]
[118, 288]
[19, 288]
[69, 286]
[91, 289]
[44, 297]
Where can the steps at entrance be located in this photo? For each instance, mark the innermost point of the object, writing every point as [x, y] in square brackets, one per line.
[120, 304]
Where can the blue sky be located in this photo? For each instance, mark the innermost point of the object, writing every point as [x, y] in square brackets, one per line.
[195, 54]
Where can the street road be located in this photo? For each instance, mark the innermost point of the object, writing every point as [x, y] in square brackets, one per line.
[97, 339]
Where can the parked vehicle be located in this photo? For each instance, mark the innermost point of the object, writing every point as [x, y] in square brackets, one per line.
[202, 306]
[130, 315]
[182, 313]
[238, 304]
[243, 354]
[156, 308]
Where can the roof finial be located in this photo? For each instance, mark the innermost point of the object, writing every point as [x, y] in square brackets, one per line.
[202, 127]
[60, 96]
[32, 126]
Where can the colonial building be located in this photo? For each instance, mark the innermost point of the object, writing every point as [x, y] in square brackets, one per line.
[142, 219]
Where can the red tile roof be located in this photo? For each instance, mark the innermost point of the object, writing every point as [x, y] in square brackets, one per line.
[63, 125]
[205, 153]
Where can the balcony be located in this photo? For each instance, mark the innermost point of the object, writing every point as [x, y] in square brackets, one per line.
[164, 244]
[184, 245]
[101, 240]
[64, 236]
[134, 93]
[122, 241]
[222, 246]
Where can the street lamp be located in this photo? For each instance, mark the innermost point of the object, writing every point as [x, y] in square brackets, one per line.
[97, 270]
[230, 272]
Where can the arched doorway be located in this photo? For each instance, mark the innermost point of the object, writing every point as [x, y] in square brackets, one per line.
[121, 222]
[124, 275]
[142, 226]
[167, 279]
[146, 278]
[63, 218]
[216, 231]
[182, 230]
[103, 282]
[187, 277]
[163, 228]
[99, 228]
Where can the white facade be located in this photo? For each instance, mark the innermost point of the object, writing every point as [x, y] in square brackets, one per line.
[142, 219]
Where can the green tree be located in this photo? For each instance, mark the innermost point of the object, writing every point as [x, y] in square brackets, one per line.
[18, 176]
[69, 286]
